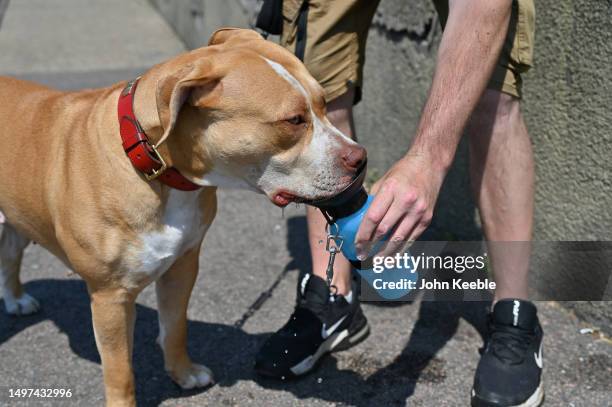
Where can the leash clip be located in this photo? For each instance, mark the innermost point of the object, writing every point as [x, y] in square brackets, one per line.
[333, 246]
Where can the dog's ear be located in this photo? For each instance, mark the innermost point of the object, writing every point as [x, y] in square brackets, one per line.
[224, 35]
[198, 84]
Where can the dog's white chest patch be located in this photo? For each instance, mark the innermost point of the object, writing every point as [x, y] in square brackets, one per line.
[181, 229]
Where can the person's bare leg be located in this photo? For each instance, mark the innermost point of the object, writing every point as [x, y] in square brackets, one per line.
[340, 114]
[502, 177]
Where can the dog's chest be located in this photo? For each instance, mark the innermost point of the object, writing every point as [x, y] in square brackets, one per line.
[180, 229]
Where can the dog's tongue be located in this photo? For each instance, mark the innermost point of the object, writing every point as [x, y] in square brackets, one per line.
[2, 218]
[283, 199]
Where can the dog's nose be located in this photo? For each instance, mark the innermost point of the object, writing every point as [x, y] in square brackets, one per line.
[353, 157]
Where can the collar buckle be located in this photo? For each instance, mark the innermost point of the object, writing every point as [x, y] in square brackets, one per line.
[159, 171]
[141, 152]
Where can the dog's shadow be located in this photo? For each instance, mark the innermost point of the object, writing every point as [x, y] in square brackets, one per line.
[230, 351]
[223, 348]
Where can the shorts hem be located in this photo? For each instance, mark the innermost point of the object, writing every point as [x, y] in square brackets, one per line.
[337, 91]
[506, 88]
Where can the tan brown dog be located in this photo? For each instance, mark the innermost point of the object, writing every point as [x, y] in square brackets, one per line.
[241, 112]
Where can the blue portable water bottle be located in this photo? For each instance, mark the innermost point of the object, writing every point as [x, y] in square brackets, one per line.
[345, 213]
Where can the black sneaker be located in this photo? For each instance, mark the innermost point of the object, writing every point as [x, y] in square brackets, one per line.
[321, 323]
[510, 369]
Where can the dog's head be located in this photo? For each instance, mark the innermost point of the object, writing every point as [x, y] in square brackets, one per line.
[245, 112]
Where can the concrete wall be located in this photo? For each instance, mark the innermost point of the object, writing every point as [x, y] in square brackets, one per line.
[567, 106]
[195, 20]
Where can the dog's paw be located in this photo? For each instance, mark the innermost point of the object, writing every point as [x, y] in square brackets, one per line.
[24, 305]
[195, 376]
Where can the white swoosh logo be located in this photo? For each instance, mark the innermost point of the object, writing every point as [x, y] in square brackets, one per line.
[326, 333]
[538, 357]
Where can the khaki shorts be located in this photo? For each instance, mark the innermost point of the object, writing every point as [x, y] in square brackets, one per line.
[330, 37]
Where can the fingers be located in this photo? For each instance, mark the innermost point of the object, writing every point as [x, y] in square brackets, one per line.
[403, 215]
[375, 214]
[423, 223]
[401, 210]
[409, 229]
[398, 215]
[397, 242]
[423, 216]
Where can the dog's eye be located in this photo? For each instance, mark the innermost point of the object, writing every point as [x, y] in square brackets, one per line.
[296, 120]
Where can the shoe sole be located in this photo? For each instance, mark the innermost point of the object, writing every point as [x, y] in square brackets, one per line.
[335, 343]
[535, 400]
[358, 337]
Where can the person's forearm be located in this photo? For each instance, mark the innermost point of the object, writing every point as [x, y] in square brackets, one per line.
[470, 47]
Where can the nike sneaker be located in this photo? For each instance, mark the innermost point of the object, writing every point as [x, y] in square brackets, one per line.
[321, 323]
[510, 369]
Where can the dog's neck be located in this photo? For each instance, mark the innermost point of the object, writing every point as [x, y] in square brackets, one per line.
[145, 107]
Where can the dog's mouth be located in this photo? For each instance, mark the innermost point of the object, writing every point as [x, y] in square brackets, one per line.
[283, 198]
[348, 192]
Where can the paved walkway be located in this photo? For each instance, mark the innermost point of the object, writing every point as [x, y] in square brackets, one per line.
[421, 354]
[77, 43]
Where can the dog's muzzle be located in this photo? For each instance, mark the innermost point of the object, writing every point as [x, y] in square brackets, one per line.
[347, 201]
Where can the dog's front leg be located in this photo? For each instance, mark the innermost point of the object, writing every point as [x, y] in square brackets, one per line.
[173, 292]
[113, 313]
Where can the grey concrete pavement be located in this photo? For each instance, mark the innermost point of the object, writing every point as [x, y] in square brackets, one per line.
[50, 41]
[421, 354]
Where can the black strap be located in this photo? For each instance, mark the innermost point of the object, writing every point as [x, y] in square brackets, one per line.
[270, 18]
[302, 31]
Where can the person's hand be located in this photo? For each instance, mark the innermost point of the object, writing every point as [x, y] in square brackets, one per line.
[403, 206]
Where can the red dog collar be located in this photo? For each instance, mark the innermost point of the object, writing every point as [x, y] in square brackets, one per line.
[141, 152]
